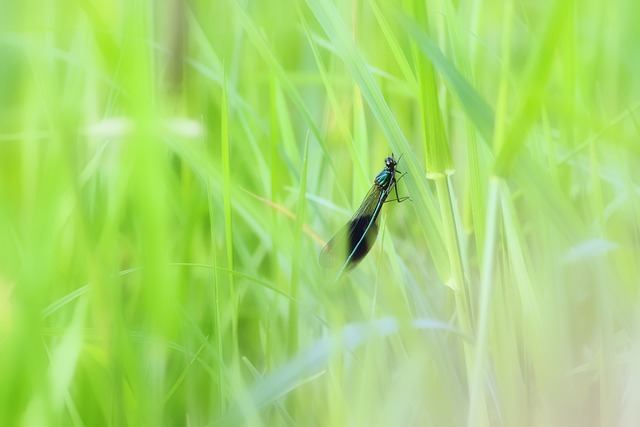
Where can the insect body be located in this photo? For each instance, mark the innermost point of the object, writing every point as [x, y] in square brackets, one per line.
[354, 241]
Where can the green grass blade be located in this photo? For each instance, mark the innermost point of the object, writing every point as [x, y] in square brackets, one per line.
[475, 106]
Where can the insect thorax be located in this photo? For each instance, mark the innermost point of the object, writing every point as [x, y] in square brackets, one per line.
[384, 178]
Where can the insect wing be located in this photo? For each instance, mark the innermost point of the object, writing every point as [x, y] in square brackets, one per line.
[354, 241]
[345, 242]
[336, 250]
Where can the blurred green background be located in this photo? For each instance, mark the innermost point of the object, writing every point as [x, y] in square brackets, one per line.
[170, 171]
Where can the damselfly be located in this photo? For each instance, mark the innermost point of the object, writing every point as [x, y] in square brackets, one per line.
[354, 241]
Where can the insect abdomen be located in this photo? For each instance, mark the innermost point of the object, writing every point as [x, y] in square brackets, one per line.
[357, 229]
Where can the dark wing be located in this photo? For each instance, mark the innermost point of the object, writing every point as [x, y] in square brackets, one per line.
[336, 252]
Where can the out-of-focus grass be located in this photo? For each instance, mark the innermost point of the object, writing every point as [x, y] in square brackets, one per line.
[166, 170]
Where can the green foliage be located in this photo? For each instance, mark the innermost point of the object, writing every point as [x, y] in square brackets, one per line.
[169, 172]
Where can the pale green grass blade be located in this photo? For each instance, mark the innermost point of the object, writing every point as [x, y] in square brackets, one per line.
[64, 358]
[537, 75]
[395, 45]
[475, 106]
[340, 117]
[297, 257]
[477, 387]
[312, 362]
[477, 162]
[545, 194]
[278, 71]
[216, 389]
[225, 157]
[437, 153]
